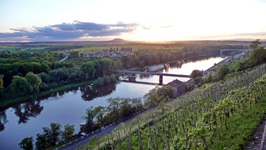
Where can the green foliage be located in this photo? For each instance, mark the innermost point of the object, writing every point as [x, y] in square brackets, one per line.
[158, 95]
[41, 142]
[25, 85]
[106, 79]
[34, 80]
[20, 85]
[89, 120]
[74, 54]
[118, 109]
[98, 82]
[112, 78]
[1, 81]
[68, 132]
[197, 80]
[222, 71]
[255, 44]
[98, 113]
[221, 116]
[88, 70]
[258, 56]
[52, 134]
[209, 78]
[1, 85]
[196, 73]
[26, 143]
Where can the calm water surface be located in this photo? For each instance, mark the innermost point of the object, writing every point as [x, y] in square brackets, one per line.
[28, 118]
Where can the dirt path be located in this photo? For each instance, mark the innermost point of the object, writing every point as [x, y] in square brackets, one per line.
[257, 137]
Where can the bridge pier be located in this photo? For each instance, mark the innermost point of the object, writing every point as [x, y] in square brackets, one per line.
[160, 79]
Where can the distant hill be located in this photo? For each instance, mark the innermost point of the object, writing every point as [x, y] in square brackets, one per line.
[118, 40]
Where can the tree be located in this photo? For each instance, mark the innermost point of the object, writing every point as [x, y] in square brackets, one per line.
[258, 56]
[89, 119]
[222, 71]
[1, 85]
[34, 80]
[158, 95]
[125, 109]
[1, 81]
[113, 108]
[41, 143]
[106, 79]
[88, 70]
[26, 143]
[68, 132]
[52, 134]
[196, 73]
[20, 85]
[255, 44]
[98, 113]
[98, 82]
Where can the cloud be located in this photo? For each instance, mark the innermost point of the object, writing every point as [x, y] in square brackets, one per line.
[68, 31]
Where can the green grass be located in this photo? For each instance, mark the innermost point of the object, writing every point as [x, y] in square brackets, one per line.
[6, 101]
[242, 127]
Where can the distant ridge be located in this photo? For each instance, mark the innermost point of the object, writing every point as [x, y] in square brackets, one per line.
[118, 40]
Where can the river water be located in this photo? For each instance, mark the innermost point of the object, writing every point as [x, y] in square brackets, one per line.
[27, 119]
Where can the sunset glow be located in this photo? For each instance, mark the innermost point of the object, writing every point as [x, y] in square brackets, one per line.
[148, 20]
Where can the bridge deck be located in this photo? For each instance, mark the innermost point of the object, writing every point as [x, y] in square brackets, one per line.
[153, 73]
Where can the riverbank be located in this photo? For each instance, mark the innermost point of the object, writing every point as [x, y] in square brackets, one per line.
[6, 103]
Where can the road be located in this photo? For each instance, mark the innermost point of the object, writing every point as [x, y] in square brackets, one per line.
[84, 140]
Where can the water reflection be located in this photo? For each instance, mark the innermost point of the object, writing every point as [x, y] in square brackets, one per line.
[3, 120]
[26, 110]
[23, 111]
[88, 93]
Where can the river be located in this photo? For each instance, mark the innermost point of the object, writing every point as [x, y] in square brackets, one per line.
[27, 119]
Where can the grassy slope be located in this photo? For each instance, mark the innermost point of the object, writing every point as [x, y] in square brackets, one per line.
[242, 127]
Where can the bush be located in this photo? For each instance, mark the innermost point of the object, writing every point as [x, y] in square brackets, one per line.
[106, 79]
[222, 71]
[98, 82]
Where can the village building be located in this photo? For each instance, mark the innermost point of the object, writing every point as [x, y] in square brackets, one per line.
[178, 87]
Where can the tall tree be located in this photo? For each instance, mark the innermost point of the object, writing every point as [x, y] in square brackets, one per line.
[222, 71]
[98, 113]
[1, 85]
[52, 134]
[88, 70]
[255, 44]
[41, 142]
[20, 85]
[26, 143]
[89, 119]
[34, 80]
[68, 132]
[113, 108]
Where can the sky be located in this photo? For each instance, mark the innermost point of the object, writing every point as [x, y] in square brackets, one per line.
[138, 20]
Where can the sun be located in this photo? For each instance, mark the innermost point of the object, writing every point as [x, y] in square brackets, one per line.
[154, 34]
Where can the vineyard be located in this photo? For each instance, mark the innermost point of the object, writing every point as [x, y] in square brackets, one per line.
[221, 115]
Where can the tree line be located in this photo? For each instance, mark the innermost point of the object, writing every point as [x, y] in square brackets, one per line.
[50, 137]
[53, 73]
[24, 85]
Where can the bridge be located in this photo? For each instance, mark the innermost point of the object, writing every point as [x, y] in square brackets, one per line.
[154, 73]
[232, 50]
